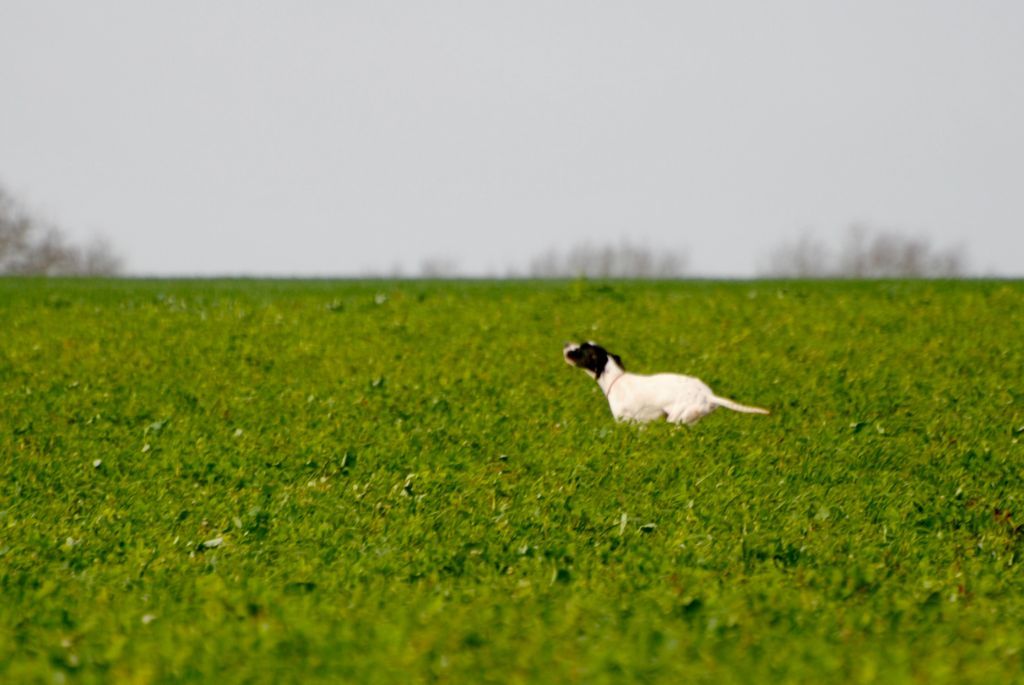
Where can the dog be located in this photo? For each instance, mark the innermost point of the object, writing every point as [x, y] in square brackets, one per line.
[633, 397]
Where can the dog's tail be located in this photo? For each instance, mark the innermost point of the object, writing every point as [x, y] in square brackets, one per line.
[736, 406]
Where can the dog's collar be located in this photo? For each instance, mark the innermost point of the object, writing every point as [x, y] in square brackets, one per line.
[609, 390]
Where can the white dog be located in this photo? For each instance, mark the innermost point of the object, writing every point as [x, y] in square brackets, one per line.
[632, 397]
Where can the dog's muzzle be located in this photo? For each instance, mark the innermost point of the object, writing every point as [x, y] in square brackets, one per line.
[569, 347]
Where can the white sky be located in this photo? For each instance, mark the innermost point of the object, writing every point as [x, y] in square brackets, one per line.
[331, 138]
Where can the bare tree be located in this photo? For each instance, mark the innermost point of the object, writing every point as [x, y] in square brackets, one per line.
[99, 258]
[29, 247]
[803, 258]
[438, 267]
[885, 254]
[622, 261]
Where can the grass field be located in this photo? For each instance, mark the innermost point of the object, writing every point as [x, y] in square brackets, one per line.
[403, 482]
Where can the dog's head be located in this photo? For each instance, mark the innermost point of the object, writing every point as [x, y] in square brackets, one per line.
[590, 357]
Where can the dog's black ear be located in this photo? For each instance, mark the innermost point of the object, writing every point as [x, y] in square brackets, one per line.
[618, 360]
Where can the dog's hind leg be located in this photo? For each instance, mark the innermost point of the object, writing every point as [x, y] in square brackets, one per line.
[689, 413]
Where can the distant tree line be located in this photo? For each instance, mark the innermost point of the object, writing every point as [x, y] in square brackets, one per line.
[609, 261]
[884, 254]
[862, 254]
[29, 246]
[624, 260]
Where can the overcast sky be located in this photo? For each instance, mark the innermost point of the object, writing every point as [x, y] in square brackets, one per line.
[332, 138]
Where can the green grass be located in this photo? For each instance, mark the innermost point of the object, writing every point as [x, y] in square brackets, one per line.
[409, 485]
